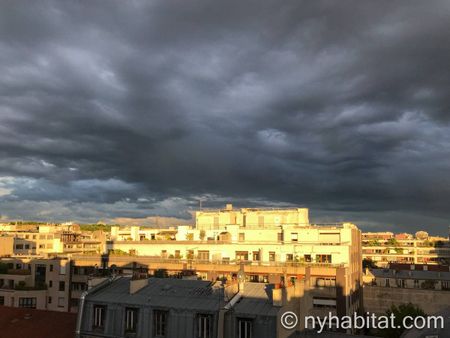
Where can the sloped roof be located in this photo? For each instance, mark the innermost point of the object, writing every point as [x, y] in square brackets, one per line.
[164, 293]
[26, 323]
[256, 300]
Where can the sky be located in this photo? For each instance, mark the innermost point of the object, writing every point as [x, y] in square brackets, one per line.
[127, 111]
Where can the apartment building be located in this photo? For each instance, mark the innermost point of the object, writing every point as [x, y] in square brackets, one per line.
[426, 286]
[275, 246]
[36, 283]
[26, 240]
[385, 247]
[168, 307]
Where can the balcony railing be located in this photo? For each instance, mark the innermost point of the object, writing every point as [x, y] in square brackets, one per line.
[195, 261]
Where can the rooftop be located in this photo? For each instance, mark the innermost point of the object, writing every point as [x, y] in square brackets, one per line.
[163, 292]
[21, 322]
[256, 300]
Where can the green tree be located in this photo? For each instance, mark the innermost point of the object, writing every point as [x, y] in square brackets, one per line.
[392, 242]
[94, 227]
[400, 313]
[368, 263]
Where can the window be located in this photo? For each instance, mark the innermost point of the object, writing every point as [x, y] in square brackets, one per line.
[245, 328]
[294, 237]
[289, 257]
[323, 258]
[62, 286]
[242, 255]
[204, 326]
[61, 302]
[27, 246]
[325, 282]
[99, 316]
[29, 302]
[131, 317]
[280, 237]
[416, 283]
[241, 236]
[307, 258]
[2, 300]
[324, 302]
[49, 300]
[400, 283]
[203, 255]
[19, 246]
[79, 286]
[51, 267]
[261, 221]
[256, 255]
[50, 283]
[159, 323]
[254, 278]
[271, 256]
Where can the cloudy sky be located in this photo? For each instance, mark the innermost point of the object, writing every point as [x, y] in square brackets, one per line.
[127, 110]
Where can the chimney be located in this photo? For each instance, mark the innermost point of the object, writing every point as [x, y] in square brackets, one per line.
[229, 207]
[277, 296]
[137, 284]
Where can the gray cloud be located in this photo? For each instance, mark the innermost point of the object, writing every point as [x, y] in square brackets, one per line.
[343, 108]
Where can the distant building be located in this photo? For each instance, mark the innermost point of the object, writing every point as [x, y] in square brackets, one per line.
[384, 248]
[40, 240]
[429, 290]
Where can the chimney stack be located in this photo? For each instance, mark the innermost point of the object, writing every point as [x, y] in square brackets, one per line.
[137, 284]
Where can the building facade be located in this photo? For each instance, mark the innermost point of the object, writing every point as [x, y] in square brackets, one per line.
[35, 283]
[385, 247]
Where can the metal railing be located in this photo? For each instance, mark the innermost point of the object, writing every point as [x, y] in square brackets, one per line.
[197, 261]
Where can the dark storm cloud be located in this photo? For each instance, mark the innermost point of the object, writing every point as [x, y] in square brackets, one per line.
[115, 109]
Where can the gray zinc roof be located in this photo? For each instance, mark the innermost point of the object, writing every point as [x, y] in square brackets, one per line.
[256, 300]
[164, 293]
